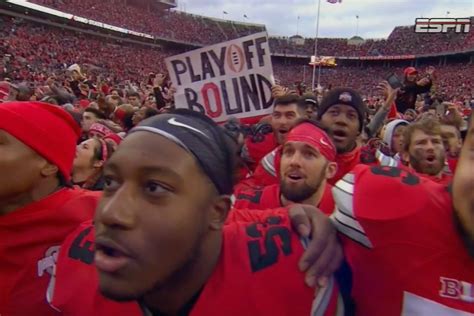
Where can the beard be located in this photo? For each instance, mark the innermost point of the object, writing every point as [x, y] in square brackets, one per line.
[299, 194]
[417, 163]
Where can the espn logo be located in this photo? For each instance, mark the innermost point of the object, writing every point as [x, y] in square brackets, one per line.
[442, 25]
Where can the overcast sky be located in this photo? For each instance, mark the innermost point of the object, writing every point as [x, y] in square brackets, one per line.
[377, 18]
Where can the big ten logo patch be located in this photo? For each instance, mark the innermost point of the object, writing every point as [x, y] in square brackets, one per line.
[456, 289]
[268, 241]
[47, 263]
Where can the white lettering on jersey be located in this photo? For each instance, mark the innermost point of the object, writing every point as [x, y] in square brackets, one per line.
[49, 260]
[420, 306]
[456, 290]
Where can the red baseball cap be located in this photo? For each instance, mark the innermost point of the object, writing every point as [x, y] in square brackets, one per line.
[410, 70]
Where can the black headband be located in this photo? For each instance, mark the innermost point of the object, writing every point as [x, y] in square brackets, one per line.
[201, 138]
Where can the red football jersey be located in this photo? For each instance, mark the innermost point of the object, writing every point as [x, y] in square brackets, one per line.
[257, 274]
[400, 239]
[269, 198]
[31, 237]
[75, 276]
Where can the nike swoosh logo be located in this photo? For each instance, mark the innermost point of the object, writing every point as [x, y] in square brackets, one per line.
[173, 121]
[324, 142]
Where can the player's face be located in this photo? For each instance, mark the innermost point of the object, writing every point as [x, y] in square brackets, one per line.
[283, 119]
[85, 154]
[452, 141]
[410, 117]
[426, 153]
[20, 168]
[138, 116]
[343, 122]
[152, 219]
[88, 119]
[411, 77]
[135, 101]
[397, 138]
[302, 171]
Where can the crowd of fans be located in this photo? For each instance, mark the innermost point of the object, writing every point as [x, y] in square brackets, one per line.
[455, 80]
[166, 24]
[32, 52]
[201, 30]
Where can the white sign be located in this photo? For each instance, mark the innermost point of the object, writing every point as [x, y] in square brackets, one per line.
[233, 78]
[442, 25]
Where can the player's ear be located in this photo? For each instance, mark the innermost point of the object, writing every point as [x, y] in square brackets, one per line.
[219, 211]
[331, 170]
[49, 169]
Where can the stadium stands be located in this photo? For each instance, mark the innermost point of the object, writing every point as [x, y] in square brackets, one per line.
[166, 24]
[37, 50]
[34, 51]
[202, 30]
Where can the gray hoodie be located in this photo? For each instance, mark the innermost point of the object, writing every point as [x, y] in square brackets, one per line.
[387, 137]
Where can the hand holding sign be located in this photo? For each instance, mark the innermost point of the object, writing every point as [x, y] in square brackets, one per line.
[226, 79]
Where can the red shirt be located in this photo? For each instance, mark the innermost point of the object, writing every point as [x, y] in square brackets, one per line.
[401, 242]
[257, 274]
[30, 239]
[452, 163]
[269, 198]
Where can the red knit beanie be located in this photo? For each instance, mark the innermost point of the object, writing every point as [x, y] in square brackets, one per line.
[47, 129]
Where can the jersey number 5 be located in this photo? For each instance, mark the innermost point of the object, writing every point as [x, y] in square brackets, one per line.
[85, 252]
[263, 258]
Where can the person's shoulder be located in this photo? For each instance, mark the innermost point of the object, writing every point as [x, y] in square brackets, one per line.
[383, 192]
[369, 196]
[74, 287]
[82, 199]
[264, 254]
[77, 192]
[272, 230]
[248, 197]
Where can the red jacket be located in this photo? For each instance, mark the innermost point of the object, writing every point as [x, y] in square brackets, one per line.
[31, 237]
[269, 198]
[257, 274]
[403, 245]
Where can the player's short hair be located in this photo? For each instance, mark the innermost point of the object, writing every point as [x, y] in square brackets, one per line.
[133, 94]
[99, 114]
[291, 99]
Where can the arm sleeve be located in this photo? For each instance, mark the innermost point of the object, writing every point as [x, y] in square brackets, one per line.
[377, 122]
[344, 217]
[160, 100]
[371, 197]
